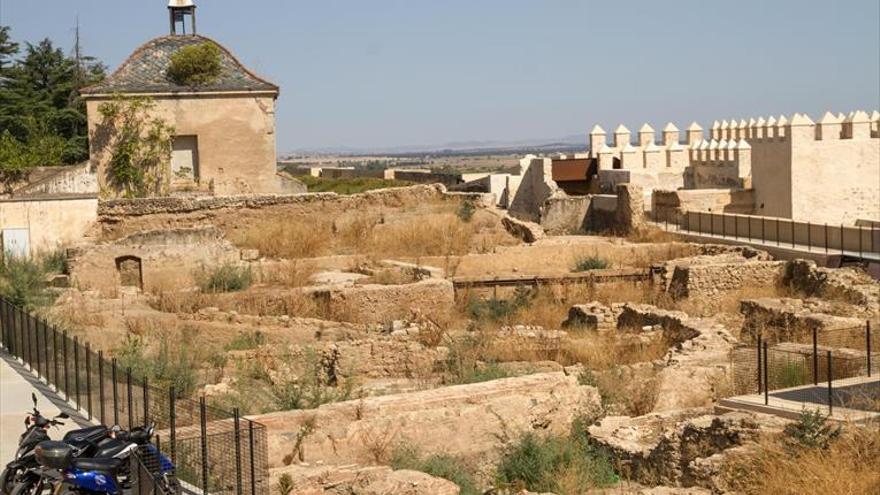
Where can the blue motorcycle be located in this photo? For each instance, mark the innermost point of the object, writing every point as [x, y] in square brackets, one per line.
[61, 472]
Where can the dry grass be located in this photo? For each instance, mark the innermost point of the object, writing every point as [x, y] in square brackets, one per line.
[292, 273]
[847, 466]
[375, 235]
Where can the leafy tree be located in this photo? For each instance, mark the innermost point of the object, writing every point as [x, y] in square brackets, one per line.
[39, 93]
[139, 145]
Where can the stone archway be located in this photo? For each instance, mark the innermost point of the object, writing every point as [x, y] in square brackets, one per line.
[130, 271]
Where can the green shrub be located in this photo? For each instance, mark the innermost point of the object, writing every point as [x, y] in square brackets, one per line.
[23, 281]
[559, 464]
[466, 211]
[499, 309]
[195, 65]
[449, 467]
[812, 430]
[591, 263]
[479, 373]
[170, 366]
[227, 277]
[285, 484]
[790, 374]
[313, 388]
[247, 340]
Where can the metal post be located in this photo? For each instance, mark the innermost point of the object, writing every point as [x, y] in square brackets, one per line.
[723, 224]
[825, 236]
[763, 221]
[699, 222]
[89, 379]
[66, 367]
[766, 379]
[76, 370]
[55, 354]
[711, 224]
[809, 237]
[792, 233]
[128, 395]
[146, 401]
[115, 391]
[172, 409]
[815, 358]
[860, 242]
[251, 455]
[36, 332]
[830, 388]
[101, 387]
[46, 349]
[777, 232]
[868, 345]
[760, 377]
[749, 227]
[237, 419]
[27, 336]
[841, 240]
[203, 421]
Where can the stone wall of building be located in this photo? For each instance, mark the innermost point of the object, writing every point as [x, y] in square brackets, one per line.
[670, 204]
[235, 137]
[384, 303]
[48, 222]
[710, 280]
[167, 259]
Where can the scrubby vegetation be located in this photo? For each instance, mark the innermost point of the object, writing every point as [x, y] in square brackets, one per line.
[450, 467]
[590, 263]
[566, 465]
[227, 277]
[195, 65]
[167, 366]
[23, 280]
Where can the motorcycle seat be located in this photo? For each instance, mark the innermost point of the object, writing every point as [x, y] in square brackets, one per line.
[91, 433]
[108, 465]
[111, 448]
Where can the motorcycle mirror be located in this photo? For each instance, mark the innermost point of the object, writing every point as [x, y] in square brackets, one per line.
[63, 415]
[34, 398]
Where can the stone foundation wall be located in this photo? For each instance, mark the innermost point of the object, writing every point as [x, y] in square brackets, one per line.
[463, 420]
[384, 303]
[712, 280]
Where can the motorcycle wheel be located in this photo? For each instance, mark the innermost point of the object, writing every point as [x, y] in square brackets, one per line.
[29, 486]
[7, 481]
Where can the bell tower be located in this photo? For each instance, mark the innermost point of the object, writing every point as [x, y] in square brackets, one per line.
[178, 10]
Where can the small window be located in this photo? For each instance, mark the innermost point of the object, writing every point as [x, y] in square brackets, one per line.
[185, 159]
[130, 271]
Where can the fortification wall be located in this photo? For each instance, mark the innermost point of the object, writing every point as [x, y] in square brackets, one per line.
[669, 204]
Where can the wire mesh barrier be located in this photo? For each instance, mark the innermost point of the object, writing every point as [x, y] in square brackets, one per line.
[214, 451]
[817, 374]
[857, 242]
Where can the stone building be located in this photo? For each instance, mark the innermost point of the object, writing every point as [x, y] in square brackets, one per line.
[224, 140]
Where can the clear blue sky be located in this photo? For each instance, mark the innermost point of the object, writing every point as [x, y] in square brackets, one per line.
[384, 73]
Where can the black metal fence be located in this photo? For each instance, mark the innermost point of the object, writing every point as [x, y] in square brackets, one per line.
[856, 242]
[839, 368]
[214, 451]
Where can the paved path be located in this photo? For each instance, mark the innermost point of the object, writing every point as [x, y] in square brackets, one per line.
[16, 385]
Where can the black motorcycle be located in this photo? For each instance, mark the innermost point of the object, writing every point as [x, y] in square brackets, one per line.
[85, 440]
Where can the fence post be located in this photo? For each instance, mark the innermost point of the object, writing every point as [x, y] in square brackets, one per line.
[146, 400]
[700, 222]
[128, 395]
[26, 331]
[101, 387]
[809, 236]
[251, 455]
[760, 377]
[46, 349]
[76, 370]
[860, 242]
[825, 238]
[830, 388]
[763, 222]
[711, 224]
[66, 367]
[868, 344]
[36, 332]
[777, 232]
[89, 379]
[237, 419]
[841, 240]
[172, 407]
[815, 358]
[115, 391]
[792, 233]
[55, 354]
[749, 227]
[203, 421]
[766, 379]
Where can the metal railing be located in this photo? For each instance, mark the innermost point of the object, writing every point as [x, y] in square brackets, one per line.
[857, 242]
[214, 450]
[839, 368]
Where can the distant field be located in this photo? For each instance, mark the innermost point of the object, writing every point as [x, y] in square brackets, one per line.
[348, 186]
[452, 163]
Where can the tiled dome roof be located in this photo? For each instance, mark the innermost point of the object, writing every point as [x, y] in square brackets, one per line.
[145, 71]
